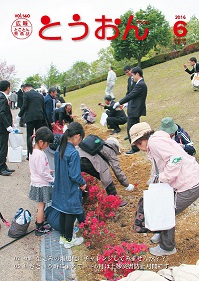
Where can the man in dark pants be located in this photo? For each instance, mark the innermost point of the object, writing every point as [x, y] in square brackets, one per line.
[136, 102]
[130, 84]
[194, 64]
[115, 117]
[195, 69]
[5, 126]
[20, 103]
[50, 104]
[34, 112]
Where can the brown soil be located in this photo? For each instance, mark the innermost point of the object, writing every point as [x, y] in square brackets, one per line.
[14, 259]
[137, 169]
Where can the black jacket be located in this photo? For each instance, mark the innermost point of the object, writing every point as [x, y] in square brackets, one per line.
[61, 115]
[33, 107]
[5, 114]
[20, 98]
[115, 112]
[193, 70]
[136, 100]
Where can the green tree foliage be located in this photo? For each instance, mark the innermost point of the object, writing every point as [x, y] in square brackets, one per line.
[52, 77]
[79, 73]
[159, 34]
[35, 80]
[192, 30]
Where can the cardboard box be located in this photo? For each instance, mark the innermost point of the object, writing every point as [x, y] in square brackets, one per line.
[15, 154]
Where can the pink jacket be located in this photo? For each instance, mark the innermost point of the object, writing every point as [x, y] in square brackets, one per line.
[39, 169]
[175, 166]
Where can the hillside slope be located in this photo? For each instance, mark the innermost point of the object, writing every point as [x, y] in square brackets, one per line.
[170, 93]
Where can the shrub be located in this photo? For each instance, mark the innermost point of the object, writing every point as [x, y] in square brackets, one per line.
[95, 232]
[118, 261]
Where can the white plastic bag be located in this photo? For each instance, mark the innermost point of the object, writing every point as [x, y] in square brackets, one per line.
[159, 210]
[16, 140]
[103, 119]
[195, 80]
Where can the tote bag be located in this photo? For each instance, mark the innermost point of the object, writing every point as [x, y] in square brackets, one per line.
[16, 140]
[195, 80]
[159, 209]
[103, 119]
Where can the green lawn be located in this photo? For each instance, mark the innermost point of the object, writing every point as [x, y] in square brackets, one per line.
[170, 93]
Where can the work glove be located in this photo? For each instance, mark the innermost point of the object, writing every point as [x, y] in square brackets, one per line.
[117, 104]
[130, 187]
[10, 129]
[18, 118]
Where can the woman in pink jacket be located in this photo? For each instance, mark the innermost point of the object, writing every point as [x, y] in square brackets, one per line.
[175, 167]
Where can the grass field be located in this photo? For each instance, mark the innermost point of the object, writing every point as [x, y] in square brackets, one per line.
[170, 94]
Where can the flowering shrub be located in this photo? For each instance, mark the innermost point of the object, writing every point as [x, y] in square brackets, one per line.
[107, 206]
[118, 261]
[94, 231]
[90, 180]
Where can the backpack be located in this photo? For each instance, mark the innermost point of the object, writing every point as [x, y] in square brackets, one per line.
[92, 144]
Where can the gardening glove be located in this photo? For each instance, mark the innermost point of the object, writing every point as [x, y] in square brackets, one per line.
[117, 104]
[130, 187]
[10, 129]
[18, 118]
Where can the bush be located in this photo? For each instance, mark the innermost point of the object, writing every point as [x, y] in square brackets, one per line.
[118, 261]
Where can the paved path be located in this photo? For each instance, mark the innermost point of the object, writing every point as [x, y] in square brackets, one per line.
[56, 261]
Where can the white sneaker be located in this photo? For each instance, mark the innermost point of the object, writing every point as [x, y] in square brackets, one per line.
[157, 251]
[155, 238]
[62, 240]
[74, 242]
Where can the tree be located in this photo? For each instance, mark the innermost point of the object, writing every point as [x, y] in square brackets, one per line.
[7, 72]
[52, 77]
[35, 80]
[159, 34]
[192, 30]
[80, 72]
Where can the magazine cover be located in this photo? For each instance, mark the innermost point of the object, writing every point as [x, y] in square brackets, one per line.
[99, 140]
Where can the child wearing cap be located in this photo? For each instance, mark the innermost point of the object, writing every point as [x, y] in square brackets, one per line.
[88, 115]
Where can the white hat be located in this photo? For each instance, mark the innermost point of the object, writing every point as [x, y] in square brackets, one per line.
[82, 106]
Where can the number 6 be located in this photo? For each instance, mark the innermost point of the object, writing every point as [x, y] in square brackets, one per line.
[180, 26]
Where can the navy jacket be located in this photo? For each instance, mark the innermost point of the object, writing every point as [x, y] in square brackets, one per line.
[49, 106]
[182, 137]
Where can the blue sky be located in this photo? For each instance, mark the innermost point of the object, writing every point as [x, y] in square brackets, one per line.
[34, 55]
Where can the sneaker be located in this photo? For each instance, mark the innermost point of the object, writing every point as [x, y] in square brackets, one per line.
[47, 226]
[157, 251]
[62, 240]
[75, 229]
[156, 238]
[73, 242]
[41, 231]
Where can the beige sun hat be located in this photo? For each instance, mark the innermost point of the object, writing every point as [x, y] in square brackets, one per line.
[83, 106]
[138, 130]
